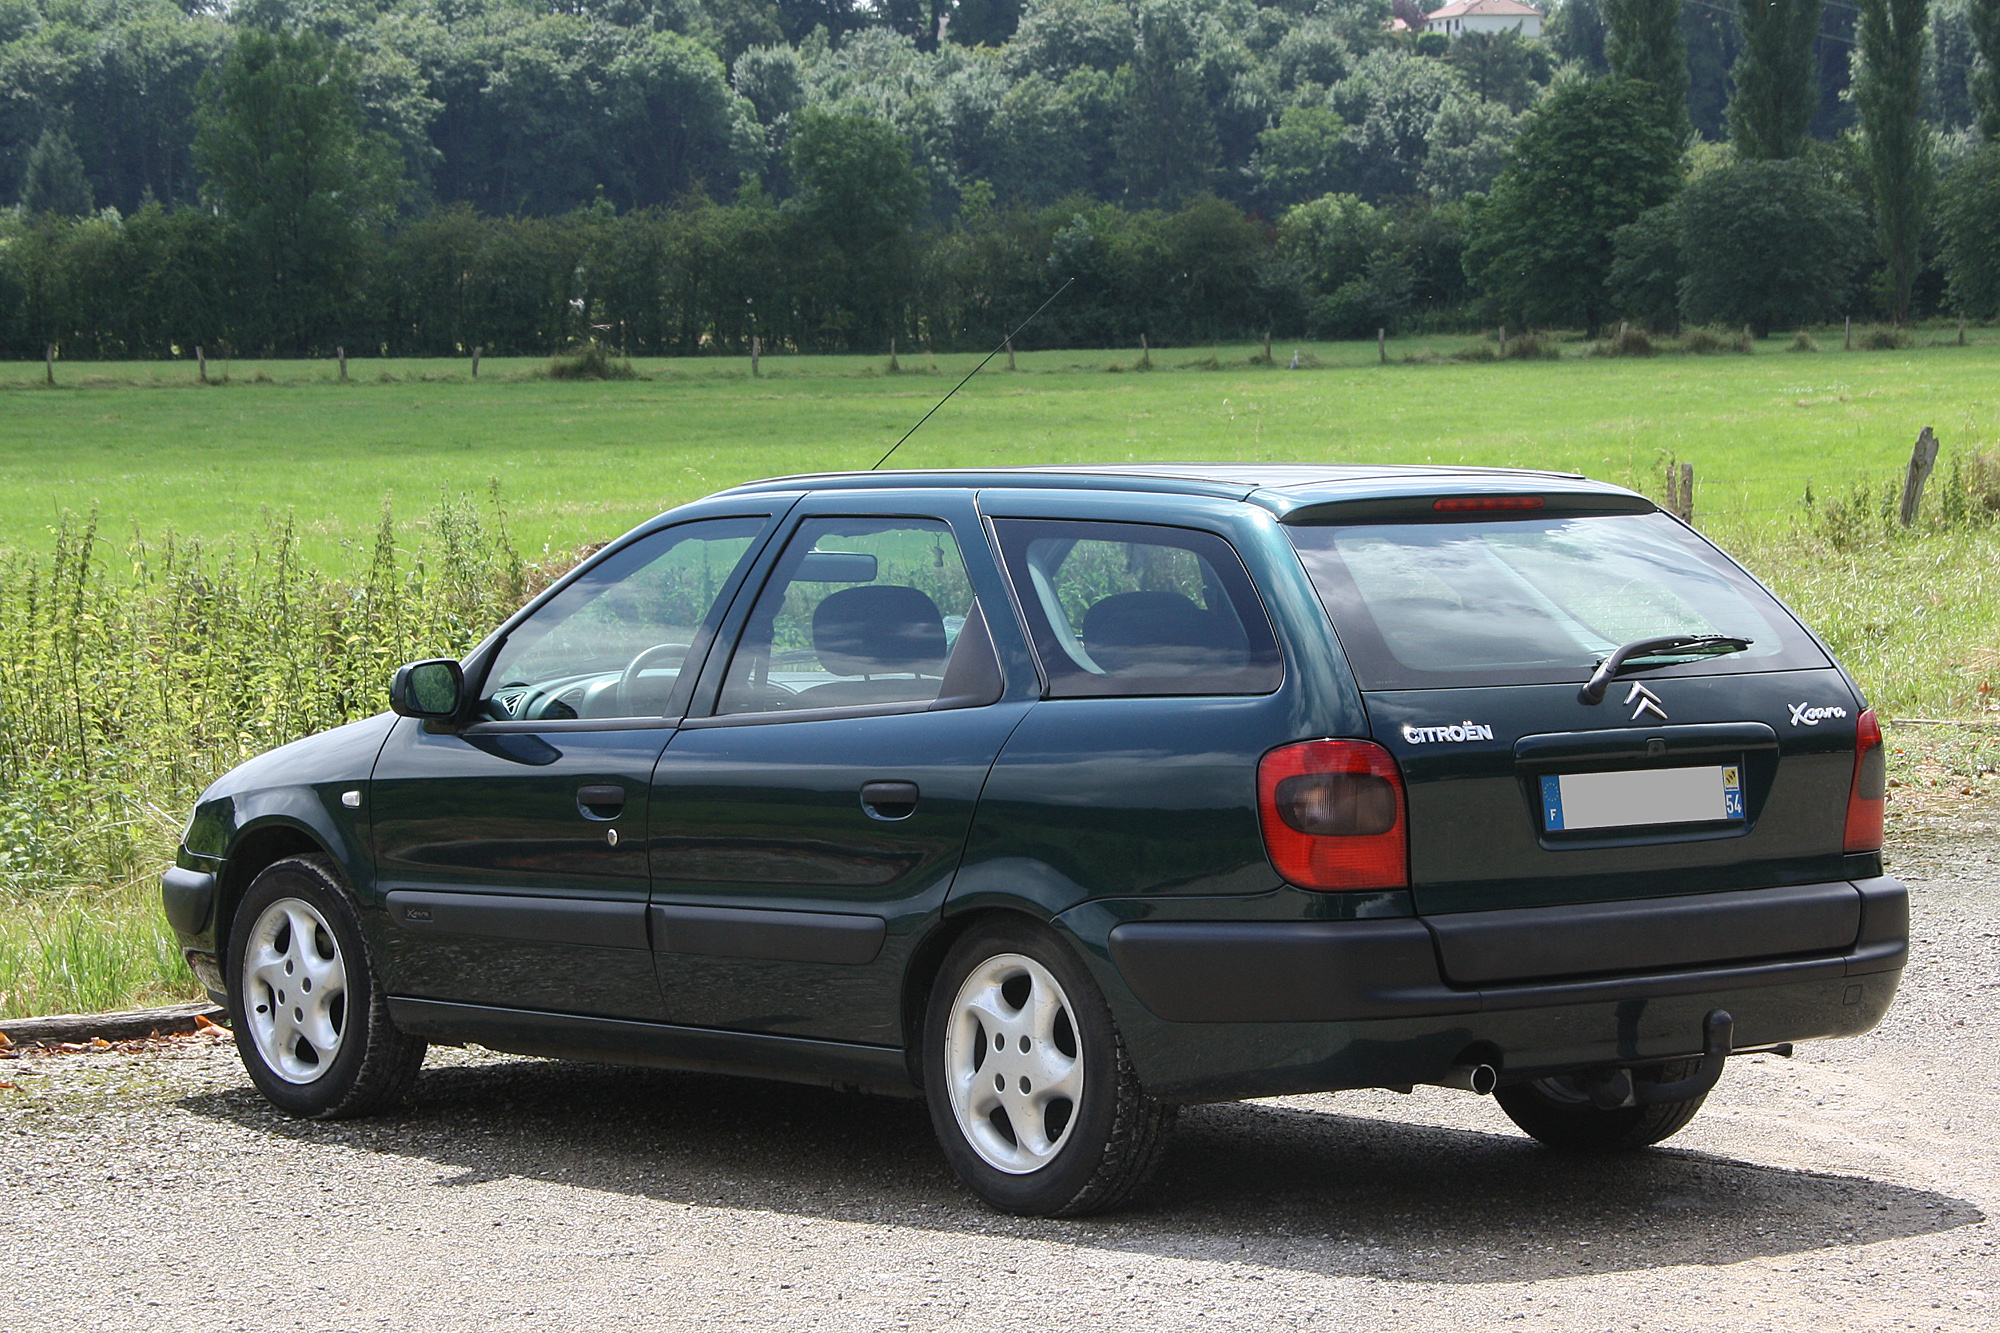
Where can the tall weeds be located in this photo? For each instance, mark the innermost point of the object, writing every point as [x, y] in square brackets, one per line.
[134, 672]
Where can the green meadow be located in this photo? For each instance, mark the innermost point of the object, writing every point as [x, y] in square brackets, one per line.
[581, 461]
[241, 585]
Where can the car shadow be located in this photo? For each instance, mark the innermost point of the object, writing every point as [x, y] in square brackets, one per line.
[1312, 1191]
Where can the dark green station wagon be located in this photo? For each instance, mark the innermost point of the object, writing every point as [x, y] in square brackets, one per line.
[1067, 796]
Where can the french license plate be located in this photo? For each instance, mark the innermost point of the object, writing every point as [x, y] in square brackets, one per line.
[1706, 795]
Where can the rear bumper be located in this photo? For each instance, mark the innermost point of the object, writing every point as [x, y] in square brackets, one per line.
[1222, 1009]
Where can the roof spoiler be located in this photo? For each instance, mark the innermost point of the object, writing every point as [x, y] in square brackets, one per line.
[1464, 505]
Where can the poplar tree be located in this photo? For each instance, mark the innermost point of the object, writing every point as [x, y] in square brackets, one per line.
[1984, 15]
[1645, 43]
[1776, 92]
[1889, 93]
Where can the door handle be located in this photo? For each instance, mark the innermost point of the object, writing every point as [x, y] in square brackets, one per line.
[600, 802]
[889, 800]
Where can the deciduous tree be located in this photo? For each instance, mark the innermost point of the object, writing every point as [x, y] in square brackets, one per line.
[1768, 244]
[1591, 157]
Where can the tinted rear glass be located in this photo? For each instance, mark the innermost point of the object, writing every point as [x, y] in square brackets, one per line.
[1535, 600]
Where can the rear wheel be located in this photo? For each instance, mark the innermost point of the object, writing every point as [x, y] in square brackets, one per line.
[1559, 1112]
[1030, 1090]
[310, 1020]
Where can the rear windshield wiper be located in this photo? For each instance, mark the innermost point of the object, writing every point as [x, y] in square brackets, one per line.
[1643, 653]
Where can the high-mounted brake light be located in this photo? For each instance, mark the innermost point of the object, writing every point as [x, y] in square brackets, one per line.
[1465, 504]
[1867, 794]
[1333, 815]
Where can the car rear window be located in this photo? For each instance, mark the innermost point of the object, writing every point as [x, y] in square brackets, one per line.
[1124, 609]
[1535, 600]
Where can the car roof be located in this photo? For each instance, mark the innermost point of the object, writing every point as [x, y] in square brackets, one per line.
[1287, 489]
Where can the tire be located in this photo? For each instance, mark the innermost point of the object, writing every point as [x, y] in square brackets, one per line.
[1559, 1113]
[1067, 1130]
[310, 1021]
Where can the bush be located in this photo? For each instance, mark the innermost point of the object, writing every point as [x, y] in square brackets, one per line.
[1703, 341]
[1628, 341]
[1803, 342]
[1881, 338]
[590, 362]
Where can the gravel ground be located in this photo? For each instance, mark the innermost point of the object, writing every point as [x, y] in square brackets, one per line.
[1850, 1187]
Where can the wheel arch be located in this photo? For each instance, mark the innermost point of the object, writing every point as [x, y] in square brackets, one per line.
[927, 959]
[256, 849]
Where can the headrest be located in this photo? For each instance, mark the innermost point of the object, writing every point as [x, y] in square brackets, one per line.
[1160, 634]
[877, 630]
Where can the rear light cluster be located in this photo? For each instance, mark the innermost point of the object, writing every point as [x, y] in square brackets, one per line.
[1472, 504]
[1333, 815]
[1867, 793]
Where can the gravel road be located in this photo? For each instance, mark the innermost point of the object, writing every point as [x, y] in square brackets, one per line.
[1850, 1187]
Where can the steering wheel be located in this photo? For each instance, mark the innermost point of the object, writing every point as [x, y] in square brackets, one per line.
[628, 681]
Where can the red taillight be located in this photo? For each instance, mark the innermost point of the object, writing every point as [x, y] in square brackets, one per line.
[1467, 504]
[1333, 815]
[1865, 796]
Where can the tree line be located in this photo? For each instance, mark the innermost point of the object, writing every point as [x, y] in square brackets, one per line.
[426, 176]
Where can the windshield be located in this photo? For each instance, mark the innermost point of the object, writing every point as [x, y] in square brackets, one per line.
[1532, 600]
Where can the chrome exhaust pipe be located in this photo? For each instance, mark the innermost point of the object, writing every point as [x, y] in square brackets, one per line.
[1481, 1079]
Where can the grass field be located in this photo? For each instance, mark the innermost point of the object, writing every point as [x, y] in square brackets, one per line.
[580, 462]
[88, 811]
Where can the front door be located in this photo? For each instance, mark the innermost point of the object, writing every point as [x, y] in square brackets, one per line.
[512, 850]
[806, 830]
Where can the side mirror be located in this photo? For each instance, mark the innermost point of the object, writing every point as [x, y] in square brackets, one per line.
[432, 689]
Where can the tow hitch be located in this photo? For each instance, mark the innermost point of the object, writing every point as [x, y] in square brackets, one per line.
[1613, 1088]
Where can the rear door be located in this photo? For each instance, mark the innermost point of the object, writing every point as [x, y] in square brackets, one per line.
[807, 828]
[1471, 637]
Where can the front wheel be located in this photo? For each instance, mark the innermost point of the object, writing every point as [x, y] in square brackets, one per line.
[1030, 1090]
[1559, 1112]
[309, 1016]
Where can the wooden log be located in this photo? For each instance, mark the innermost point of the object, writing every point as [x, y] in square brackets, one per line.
[1922, 459]
[124, 1025]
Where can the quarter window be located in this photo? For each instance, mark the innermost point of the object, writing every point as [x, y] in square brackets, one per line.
[1132, 609]
[611, 644]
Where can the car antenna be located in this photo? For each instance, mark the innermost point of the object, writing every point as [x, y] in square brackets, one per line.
[974, 371]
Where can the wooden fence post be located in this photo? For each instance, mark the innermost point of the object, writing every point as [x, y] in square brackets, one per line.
[1010, 354]
[756, 357]
[200, 365]
[1503, 340]
[1382, 346]
[1961, 330]
[49, 362]
[1922, 459]
[475, 360]
[341, 352]
[895, 366]
[1847, 342]
[1267, 349]
[1145, 354]
[1687, 494]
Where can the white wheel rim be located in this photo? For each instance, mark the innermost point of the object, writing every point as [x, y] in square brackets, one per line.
[1013, 1061]
[294, 991]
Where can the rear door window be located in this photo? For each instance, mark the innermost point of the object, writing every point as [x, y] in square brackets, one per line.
[1134, 609]
[1535, 600]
